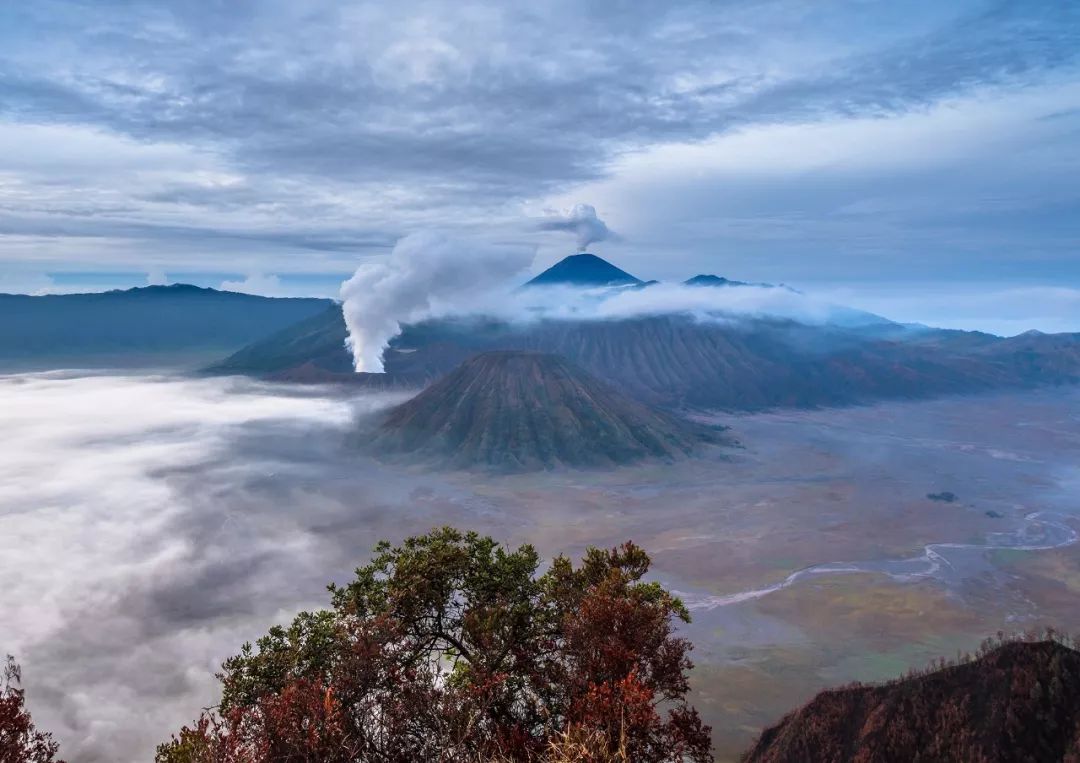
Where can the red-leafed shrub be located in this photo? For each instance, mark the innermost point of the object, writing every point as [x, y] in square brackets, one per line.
[453, 648]
[20, 741]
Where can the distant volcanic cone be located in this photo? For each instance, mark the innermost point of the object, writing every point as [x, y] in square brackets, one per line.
[586, 270]
[520, 411]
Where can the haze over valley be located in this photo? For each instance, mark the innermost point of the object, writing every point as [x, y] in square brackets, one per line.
[142, 550]
[834, 496]
[501, 382]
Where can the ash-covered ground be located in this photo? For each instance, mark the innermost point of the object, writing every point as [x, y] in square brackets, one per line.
[150, 525]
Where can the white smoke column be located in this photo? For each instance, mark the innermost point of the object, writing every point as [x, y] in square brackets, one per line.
[583, 222]
[426, 274]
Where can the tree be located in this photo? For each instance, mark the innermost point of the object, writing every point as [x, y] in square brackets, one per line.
[451, 647]
[20, 741]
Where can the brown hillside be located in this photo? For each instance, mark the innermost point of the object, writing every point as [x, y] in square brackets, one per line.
[1019, 703]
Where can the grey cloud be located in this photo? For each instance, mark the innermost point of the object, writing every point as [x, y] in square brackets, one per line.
[163, 540]
[319, 240]
[545, 97]
[369, 120]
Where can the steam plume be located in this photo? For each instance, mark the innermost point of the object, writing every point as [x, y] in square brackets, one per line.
[426, 274]
[583, 222]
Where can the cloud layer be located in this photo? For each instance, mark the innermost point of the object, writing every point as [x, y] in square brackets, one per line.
[276, 137]
[150, 528]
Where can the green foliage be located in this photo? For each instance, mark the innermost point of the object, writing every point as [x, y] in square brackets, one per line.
[305, 648]
[452, 647]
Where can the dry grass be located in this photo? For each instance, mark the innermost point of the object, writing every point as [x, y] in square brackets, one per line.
[578, 744]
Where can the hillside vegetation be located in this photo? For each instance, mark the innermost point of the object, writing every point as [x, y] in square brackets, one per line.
[1016, 702]
[453, 648]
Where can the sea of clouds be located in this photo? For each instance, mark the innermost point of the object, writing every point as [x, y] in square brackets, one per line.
[151, 525]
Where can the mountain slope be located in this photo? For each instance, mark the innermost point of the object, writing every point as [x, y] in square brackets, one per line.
[584, 270]
[153, 321]
[673, 360]
[522, 411]
[1019, 702]
[315, 343]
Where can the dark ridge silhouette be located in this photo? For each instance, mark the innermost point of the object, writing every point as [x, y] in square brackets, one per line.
[584, 270]
[1017, 703]
[145, 324]
[706, 279]
[520, 411]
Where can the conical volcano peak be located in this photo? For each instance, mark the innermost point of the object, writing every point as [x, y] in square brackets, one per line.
[519, 411]
[584, 269]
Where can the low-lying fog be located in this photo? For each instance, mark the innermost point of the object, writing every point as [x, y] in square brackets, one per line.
[151, 525]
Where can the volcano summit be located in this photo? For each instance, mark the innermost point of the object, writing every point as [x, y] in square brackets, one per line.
[586, 270]
[522, 411]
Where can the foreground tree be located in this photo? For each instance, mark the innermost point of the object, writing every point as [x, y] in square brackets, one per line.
[20, 741]
[453, 648]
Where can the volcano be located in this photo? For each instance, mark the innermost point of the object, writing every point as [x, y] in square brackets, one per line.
[584, 270]
[522, 411]
[675, 360]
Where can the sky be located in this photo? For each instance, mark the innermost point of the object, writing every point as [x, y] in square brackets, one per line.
[919, 156]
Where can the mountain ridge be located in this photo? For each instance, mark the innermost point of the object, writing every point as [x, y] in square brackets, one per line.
[1018, 702]
[675, 361]
[129, 325]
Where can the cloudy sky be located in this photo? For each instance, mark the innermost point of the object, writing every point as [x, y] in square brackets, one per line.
[846, 146]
